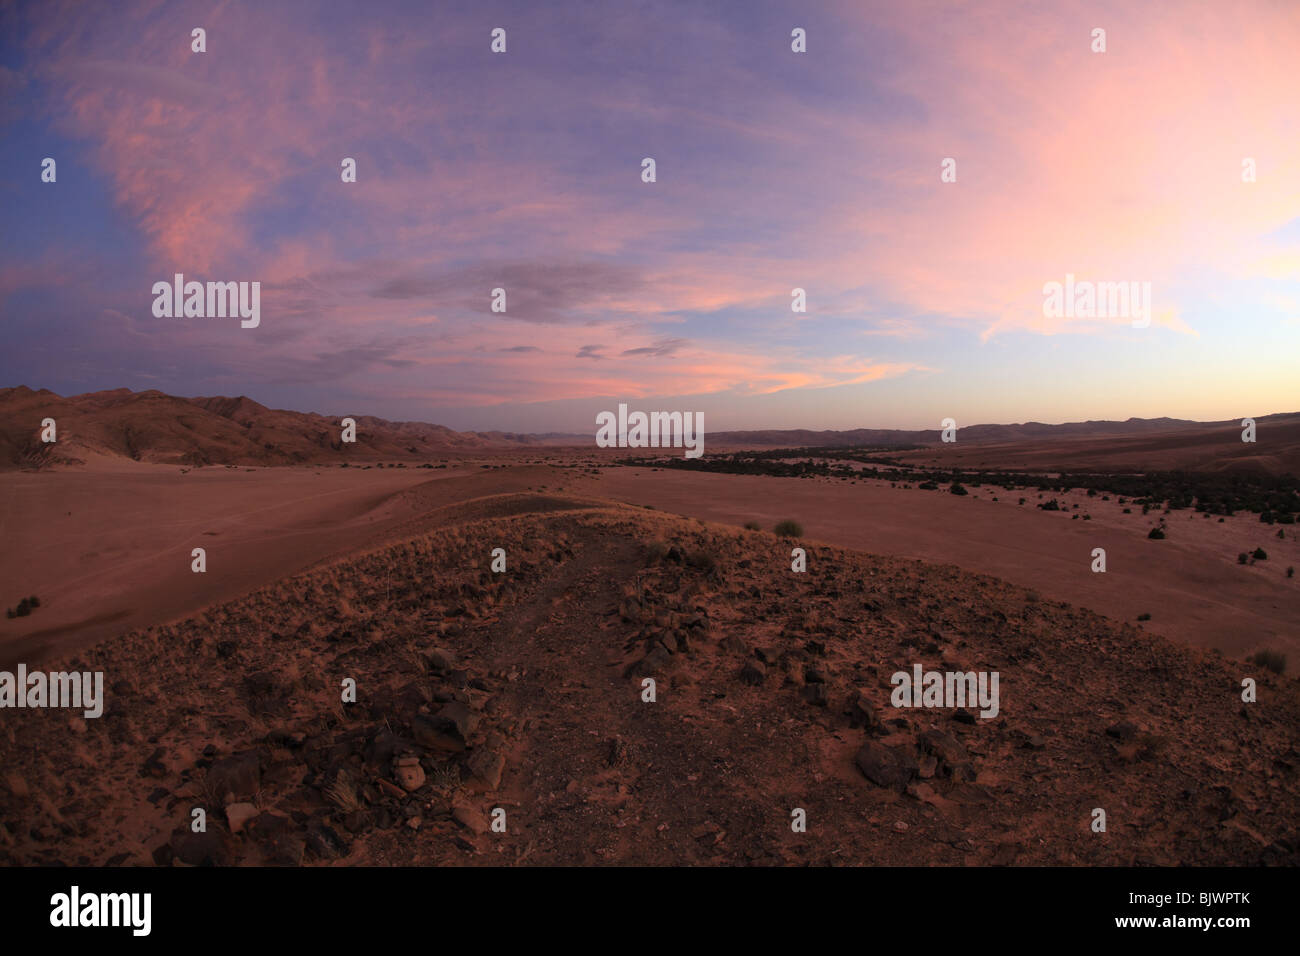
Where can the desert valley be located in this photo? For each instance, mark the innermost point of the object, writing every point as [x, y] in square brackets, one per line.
[434, 646]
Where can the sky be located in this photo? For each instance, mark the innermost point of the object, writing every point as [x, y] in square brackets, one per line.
[774, 170]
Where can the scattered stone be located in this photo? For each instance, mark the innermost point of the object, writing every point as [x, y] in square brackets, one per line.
[486, 767]
[1124, 730]
[470, 818]
[440, 660]
[815, 694]
[884, 766]
[616, 752]
[277, 838]
[944, 746]
[201, 849]
[432, 733]
[324, 842]
[237, 777]
[656, 661]
[408, 773]
[238, 814]
[153, 765]
[862, 712]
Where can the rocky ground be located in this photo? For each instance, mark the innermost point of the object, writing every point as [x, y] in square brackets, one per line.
[516, 698]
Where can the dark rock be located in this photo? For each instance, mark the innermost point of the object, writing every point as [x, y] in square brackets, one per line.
[885, 766]
[202, 849]
[944, 746]
[153, 765]
[735, 644]
[815, 694]
[237, 777]
[432, 734]
[862, 712]
[456, 717]
[325, 843]
[1124, 730]
[278, 839]
[655, 662]
[486, 767]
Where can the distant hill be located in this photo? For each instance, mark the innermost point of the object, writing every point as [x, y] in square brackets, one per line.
[1138, 444]
[804, 438]
[151, 426]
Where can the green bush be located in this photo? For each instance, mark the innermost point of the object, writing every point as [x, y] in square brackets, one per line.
[789, 529]
[1157, 534]
[1260, 555]
[753, 526]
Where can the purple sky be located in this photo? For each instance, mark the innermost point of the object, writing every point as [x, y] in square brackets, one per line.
[775, 170]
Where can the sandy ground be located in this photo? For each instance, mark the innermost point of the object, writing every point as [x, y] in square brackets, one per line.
[108, 550]
[1190, 583]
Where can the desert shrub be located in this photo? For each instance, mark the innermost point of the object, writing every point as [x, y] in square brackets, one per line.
[34, 601]
[1274, 661]
[1260, 555]
[1022, 501]
[1128, 511]
[24, 608]
[702, 560]
[1052, 505]
[1156, 534]
[1290, 572]
[1144, 617]
[1243, 558]
[753, 526]
[928, 486]
[656, 550]
[1281, 533]
[957, 489]
[789, 529]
